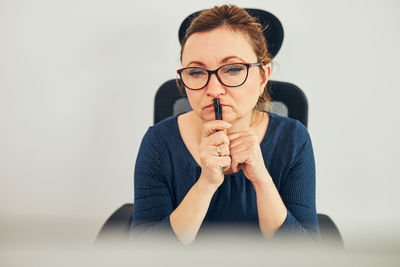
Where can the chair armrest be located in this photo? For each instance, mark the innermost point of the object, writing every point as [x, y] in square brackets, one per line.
[329, 232]
[118, 224]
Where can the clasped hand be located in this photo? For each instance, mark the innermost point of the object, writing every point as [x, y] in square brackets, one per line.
[235, 151]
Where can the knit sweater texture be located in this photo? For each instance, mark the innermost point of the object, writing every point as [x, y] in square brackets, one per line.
[165, 171]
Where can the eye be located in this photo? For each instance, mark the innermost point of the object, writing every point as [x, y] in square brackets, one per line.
[196, 73]
[233, 69]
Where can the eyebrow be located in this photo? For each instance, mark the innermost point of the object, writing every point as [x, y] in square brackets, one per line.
[196, 63]
[231, 57]
[224, 60]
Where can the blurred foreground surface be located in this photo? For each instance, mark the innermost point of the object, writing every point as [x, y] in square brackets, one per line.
[34, 243]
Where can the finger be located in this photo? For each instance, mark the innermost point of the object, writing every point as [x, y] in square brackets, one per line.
[234, 165]
[248, 139]
[239, 148]
[224, 150]
[241, 156]
[245, 157]
[235, 135]
[238, 142]
[217, 138]
[216, 163]
[223, 162]
[211, 126]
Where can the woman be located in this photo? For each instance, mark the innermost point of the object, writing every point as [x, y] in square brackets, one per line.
[268, 174]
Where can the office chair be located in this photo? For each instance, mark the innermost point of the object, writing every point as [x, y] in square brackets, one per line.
[287, 100]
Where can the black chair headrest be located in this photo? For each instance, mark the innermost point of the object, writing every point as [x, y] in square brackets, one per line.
[273, 28]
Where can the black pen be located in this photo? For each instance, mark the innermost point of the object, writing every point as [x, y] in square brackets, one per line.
[218, 116]
[217, 109]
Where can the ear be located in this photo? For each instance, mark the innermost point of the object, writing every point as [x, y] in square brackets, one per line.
[265, 76]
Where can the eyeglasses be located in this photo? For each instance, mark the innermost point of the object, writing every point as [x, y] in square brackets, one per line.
[230, 75]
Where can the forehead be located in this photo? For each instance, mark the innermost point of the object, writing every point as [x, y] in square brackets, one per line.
[212, 47]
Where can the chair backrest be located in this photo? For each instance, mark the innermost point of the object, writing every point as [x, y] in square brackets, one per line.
[287, 100]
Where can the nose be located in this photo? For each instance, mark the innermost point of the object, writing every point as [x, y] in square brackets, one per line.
[214, 87]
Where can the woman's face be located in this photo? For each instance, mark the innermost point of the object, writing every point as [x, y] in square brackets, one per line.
[215, 48]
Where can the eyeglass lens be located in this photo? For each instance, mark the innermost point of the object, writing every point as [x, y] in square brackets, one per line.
[229, 75]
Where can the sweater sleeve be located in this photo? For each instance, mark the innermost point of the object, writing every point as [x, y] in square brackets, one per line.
[298, 189]
[152, 200]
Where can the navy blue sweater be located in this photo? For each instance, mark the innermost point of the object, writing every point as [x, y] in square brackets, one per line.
[165, 171]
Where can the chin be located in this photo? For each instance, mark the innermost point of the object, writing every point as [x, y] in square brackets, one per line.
[207, 116]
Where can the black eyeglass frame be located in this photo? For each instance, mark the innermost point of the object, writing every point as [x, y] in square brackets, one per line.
[209, 72]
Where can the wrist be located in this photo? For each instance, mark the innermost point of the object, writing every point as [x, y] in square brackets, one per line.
[205, 187]
[264, 182]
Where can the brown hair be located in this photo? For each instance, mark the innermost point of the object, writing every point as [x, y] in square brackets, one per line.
[236, 19]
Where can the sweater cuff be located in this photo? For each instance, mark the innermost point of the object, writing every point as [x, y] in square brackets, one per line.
[292, 229]
[288, 224]
[164, 225]
[164, 228]
[161, 228]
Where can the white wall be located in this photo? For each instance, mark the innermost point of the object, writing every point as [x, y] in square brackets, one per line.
[78, 78]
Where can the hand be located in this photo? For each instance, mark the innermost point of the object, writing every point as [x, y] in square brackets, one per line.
[246, 155]
[214, 152]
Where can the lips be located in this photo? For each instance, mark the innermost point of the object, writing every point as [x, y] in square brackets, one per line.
[212, 106]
